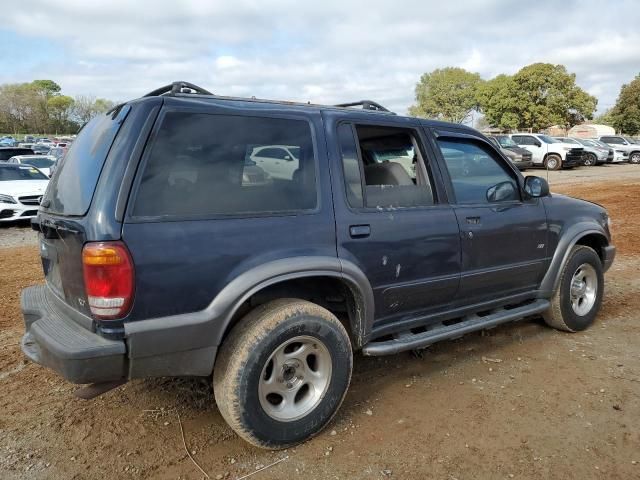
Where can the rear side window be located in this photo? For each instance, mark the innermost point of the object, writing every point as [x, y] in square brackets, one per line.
[203, 164]
[71, 188]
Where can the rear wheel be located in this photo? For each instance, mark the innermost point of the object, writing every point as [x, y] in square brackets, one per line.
[634, 158]
[553, 162]
[282, 373]
[578, 298]
[590, 159]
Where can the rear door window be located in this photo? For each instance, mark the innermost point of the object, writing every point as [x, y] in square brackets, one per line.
[71, 188]
[208, 164]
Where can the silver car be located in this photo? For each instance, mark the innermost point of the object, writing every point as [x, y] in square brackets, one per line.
[591, 155]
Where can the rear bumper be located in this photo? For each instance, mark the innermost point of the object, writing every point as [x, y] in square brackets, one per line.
[154, 348]
[55, 341]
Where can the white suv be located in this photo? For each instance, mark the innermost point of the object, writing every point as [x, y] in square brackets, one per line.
[621, 143]
[549, 153]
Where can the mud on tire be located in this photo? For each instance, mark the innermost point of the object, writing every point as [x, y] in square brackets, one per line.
[262, 350]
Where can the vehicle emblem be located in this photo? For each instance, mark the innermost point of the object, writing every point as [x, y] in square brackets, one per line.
[39, 199]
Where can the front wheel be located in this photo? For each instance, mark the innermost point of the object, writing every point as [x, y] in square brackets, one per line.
[590, 160]
[578, 298]
[282, 373]
[634, 158]
[553, 162]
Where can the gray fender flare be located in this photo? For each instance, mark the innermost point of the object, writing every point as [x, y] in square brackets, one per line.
[206, 328]
[569, 238]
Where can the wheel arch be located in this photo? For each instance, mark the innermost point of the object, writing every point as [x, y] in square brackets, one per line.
[580, 234]
[306, 278]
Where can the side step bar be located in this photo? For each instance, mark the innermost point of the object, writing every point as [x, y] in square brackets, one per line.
[409, 341]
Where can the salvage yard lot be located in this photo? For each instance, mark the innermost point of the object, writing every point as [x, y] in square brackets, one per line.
[519, 401]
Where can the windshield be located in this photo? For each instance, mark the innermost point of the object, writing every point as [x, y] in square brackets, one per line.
[547, 139]
[630, 140]
[38, 162]
[506, 142]
[10, 173]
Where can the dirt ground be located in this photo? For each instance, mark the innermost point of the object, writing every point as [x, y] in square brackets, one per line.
[519, 401]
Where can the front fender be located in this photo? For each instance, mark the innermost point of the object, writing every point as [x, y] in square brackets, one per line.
[568, 239]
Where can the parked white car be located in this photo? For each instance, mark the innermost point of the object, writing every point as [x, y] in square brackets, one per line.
[278, 161]
[620, 143]
[44, 163]
[21, 190]
[591, 156]
[549, 153]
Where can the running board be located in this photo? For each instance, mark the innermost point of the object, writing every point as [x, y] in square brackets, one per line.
[409, 341]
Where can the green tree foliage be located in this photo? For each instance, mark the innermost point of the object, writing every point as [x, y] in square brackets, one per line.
[40, 107]
[605, 118]
[538, 96]
[626, 112]
[446, 94]
[85, 108]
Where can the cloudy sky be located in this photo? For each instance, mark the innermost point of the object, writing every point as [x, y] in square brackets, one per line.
[322, 51]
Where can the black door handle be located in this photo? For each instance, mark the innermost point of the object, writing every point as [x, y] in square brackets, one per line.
[359, 231]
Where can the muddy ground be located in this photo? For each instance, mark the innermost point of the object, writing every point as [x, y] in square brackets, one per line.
[519, 401]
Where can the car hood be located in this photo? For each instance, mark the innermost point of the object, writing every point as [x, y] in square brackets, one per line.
[22, 187]
[519, 150]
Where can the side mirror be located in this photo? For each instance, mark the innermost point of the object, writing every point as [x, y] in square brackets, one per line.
[538, 143]
[501, 192]
[536, 187]
[287, 158]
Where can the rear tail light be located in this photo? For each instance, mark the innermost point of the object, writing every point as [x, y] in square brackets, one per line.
[108, 279]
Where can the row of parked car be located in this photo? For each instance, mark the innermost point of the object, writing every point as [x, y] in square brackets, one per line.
[25, 169]
[528, 150]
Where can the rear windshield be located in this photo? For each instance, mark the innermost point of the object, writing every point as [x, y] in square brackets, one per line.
[10, 173]
[203, 165]
[38, 162]
[7, 153]
[71, 188]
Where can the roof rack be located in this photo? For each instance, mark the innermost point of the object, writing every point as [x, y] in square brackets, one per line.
[366, 105]
[178, 87]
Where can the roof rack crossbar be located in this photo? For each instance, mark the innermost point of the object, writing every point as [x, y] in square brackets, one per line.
[178, 87]
[366, 105]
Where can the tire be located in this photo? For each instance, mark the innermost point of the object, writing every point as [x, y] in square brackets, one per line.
[590, 160]
[634, 158]
[292, 337]
[565, 313]
[553, 162]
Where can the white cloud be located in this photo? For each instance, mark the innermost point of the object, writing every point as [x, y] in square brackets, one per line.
[320, 51]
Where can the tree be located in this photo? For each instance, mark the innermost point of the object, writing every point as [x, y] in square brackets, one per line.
[538, 96]
[497, 98]
[59, 111]
[85, 108]
[446, 94]
[626, 112]
[605, 118]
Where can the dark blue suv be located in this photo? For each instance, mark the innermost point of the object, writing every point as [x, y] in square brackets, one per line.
[262, 243]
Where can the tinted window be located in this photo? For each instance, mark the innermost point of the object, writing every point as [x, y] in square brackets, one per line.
[21, 173]
[38, 162]
[523, 140]
[71, 188]
[614, 140]
[204, 164]
[474, 170]
[350, 165]
[7, 153]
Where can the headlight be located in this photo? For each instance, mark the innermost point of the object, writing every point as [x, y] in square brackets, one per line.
[7, 199]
